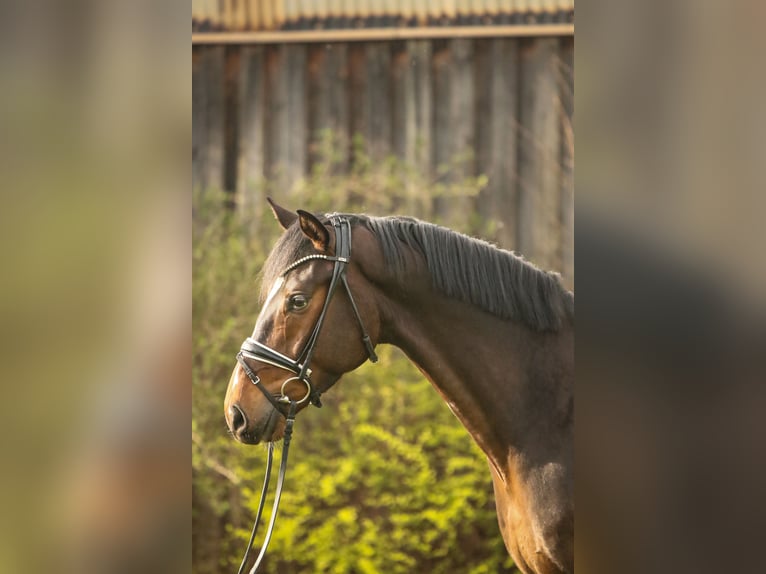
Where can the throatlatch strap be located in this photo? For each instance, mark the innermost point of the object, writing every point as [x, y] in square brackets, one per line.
[365, 337]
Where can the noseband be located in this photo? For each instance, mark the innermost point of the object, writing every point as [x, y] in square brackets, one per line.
[255, 350]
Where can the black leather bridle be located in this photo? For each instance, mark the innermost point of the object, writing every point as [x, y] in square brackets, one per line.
[255, 350]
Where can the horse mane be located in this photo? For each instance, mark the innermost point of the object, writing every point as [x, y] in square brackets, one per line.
[464, 268]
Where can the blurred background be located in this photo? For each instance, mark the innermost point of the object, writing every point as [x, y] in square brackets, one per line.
[456, 113]
[94, 290]
[671, 286]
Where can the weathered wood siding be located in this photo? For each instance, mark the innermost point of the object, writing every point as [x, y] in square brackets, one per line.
[258, 111]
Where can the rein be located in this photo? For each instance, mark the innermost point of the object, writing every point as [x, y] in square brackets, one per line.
[299, 367]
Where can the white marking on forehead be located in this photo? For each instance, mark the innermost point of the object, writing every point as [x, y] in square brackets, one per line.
[272, 293]
[274, 289]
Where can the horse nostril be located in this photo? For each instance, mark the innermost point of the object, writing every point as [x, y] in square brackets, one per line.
[238, 419]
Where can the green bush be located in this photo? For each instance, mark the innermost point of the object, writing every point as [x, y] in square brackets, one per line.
[383, 479]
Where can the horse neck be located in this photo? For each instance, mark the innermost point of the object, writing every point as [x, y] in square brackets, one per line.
[502, 379]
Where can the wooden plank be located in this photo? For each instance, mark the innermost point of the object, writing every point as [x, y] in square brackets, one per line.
[484, 116]
[231, 118]
[276, 141]
[496, 112]
[378, 100]
[441, 149]
[453, 128]
[337, 92]
[462, 100]
[504, 137]
[250, 170]
[357, 91]
[420, 55]
[566, 90]
[199, 119]
[327, 105]
[403, 121]
[296, 113]
[461, 119]
[213, 150]
[539, 229]
[286, 143]
[318, 100]
[383, 34]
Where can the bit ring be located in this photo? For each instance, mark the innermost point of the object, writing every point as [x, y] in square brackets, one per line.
[305, 397]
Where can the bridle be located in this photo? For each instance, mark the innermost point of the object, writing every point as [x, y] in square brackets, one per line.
[252, 349]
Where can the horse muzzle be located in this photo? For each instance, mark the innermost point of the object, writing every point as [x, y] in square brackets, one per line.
[253, 431]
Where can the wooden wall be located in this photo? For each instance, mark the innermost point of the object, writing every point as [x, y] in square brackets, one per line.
[257, 110]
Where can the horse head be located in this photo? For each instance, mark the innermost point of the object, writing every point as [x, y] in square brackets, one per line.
[310, 330]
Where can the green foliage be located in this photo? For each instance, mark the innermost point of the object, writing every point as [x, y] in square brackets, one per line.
[383, 479]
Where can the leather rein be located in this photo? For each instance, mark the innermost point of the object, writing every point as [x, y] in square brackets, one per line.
[255, 350]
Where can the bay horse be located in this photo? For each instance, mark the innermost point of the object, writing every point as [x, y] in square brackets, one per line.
[492, 333]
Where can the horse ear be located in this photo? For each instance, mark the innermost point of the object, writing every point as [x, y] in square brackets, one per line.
[314, 230]
[285, 217]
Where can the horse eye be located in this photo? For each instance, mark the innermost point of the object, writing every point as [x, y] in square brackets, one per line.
[298, 302]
